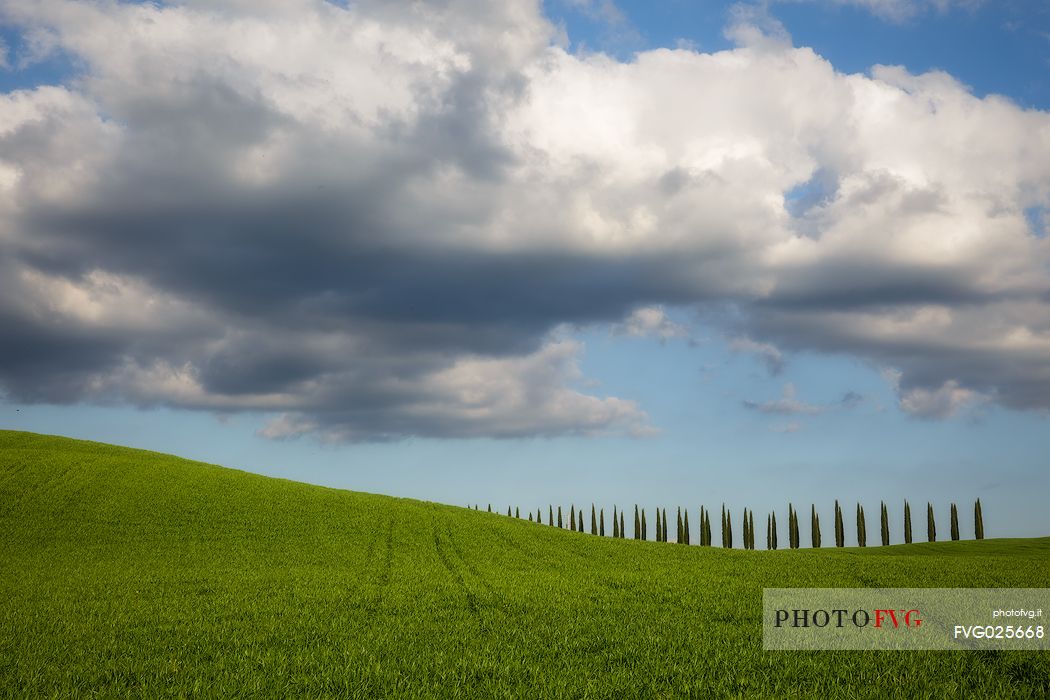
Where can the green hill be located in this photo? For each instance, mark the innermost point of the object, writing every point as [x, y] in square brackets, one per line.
[132, 573]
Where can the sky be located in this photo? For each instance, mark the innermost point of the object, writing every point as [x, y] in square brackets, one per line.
[668, 253]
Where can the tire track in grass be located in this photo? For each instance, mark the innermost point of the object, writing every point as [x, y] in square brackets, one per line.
[380, 572]
[457, 577]
[510, 542]
[388, 562]
[537, 554]
[365, 565]
[458, 552]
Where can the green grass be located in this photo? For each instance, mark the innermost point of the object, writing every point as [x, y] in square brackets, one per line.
[131, 573]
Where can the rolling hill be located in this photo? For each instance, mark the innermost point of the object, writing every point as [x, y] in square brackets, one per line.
[130, 573]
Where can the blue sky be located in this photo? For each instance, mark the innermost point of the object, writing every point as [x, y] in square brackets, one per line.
[809, 355]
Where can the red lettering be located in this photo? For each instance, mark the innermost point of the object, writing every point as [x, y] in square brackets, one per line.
[881, 614]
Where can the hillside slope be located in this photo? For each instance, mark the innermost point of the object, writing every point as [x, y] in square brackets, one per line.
[125, 572]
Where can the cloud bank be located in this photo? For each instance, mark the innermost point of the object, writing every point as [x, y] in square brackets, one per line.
[371, 221]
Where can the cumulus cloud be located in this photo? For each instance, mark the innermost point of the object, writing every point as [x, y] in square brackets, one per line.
[369, 220]
[652, 322]
[476, 396]
[942, 402]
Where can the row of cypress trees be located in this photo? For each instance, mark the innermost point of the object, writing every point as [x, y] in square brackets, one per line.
[576, 523]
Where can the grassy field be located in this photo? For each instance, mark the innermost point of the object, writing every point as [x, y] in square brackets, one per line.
[131, 573]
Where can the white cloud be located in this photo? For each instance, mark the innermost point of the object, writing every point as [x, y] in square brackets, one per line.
[651, 322]
[478, 396]
[943, 402]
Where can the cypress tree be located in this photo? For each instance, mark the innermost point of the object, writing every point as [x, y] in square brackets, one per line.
[550, 515]
[931, 526]
[539, 515]
[664, 525]
[723, 525]
[490, 507]
[816, 528]
[769, 532]
[579, 522]
[517, 513]
[749, 515]
[594, 521]
[706, 522]
[729, 530]
[530, 516]
[644, 534]
[724, 545]
[657, 533]
[616, 524]
[907, 522]
[744, 532]
[791, 526]
[978, 521]
[955, 523]
[637, 524]
[679, 538]
[773, 527]
[559, 517]
[813, 527]
[621, 525]
[572, 517]
[508, 511]
[796, 541]
[885, 520]
[686, 525]
[840, 531]
[601, 522]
